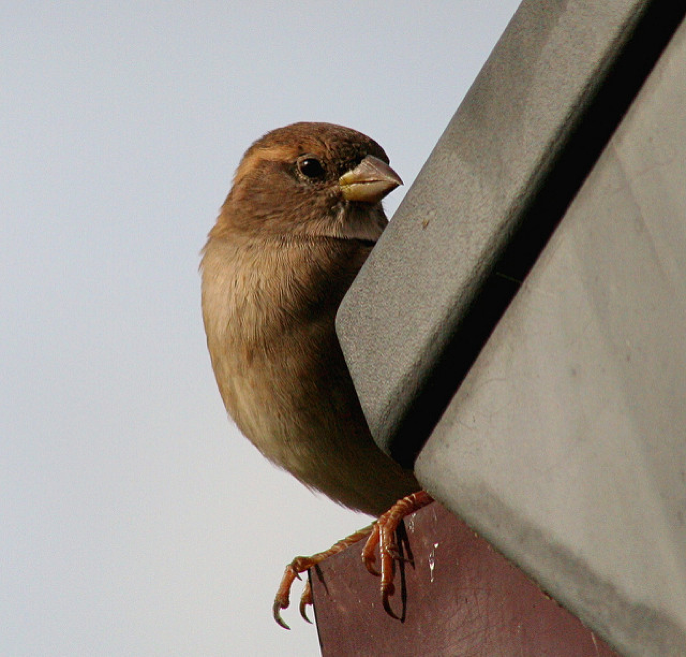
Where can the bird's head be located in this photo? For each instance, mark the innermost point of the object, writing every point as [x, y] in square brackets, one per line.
[311, 179]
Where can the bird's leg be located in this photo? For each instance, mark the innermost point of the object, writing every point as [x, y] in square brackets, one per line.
[300, 565]
[383, 535]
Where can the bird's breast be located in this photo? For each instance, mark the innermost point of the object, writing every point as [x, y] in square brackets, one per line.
[273, 353]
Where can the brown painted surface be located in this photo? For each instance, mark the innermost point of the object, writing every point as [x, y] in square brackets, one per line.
[459, 598]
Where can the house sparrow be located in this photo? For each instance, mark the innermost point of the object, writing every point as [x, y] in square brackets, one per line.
[302, 217]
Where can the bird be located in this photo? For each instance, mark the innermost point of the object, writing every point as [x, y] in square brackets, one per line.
[303, 213]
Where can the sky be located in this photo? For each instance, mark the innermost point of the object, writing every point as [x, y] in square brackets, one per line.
[134, 518]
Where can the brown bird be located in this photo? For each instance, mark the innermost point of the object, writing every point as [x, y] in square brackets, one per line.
[303, 214]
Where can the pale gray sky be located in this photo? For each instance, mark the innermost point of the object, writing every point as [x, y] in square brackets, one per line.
[134, 520]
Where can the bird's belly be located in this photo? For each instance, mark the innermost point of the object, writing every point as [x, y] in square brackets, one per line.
[268, 399]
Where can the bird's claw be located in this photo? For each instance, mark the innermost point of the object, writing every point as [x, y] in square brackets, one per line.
[368, 556]
[300, 565]
[383, 536]
[385, 595]
[282, 598]
[305, 601]
[276, 612]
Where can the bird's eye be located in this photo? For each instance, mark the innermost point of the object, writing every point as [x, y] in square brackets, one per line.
[311, 167]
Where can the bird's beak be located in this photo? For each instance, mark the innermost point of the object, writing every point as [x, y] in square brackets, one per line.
[369, 181]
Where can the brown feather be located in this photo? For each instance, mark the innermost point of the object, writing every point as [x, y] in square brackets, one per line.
[281, 256]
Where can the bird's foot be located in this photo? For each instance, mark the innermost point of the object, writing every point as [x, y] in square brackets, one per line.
[300, 565]
[383, 535]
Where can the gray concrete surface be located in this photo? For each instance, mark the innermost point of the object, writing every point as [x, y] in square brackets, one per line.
[565, 446]
[515, 153]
